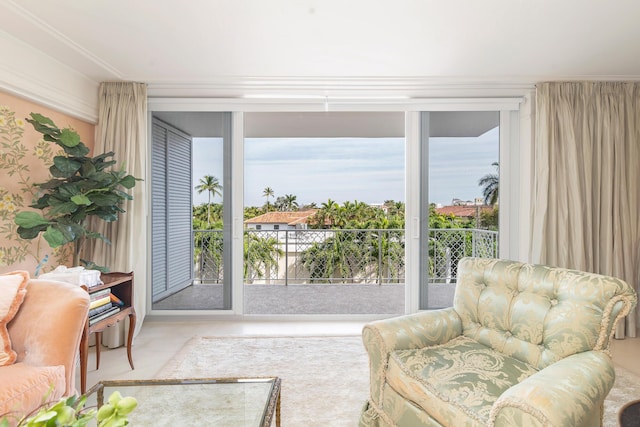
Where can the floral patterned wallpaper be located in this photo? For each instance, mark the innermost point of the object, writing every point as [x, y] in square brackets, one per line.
[24, 161]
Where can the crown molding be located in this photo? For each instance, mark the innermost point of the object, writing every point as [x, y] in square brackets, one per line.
[28, 73]
[363, 87]
[42, 93]
[37, 24]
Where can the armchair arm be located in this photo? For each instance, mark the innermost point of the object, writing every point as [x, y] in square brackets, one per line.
[569, 392]
[49, 325]
[405, 332]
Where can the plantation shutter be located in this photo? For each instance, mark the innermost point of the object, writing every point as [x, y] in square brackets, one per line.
[171, 234]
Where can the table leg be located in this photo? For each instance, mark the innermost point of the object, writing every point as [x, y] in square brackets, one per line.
[278, 411]
[98, 345]
[132, 327]
[84, 353]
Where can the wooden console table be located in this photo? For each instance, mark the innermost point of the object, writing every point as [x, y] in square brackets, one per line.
[121, 285]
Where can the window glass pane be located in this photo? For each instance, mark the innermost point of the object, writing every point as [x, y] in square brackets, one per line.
[462, 171]
[324, 217]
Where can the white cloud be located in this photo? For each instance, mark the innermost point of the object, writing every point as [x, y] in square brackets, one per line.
[369, 170]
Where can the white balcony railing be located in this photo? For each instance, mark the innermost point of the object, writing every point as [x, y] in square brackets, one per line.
[286, 257]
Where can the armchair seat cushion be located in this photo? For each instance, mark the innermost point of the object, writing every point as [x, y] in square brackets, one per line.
[459, 380]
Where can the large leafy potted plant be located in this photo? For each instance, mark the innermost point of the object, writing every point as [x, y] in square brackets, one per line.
[80, 187]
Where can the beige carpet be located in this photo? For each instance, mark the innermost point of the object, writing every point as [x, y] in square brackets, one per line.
[325, 380]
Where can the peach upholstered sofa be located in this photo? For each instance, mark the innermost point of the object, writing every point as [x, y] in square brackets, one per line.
[46, 320]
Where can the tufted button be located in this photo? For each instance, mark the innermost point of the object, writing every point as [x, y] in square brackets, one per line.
[508, 334]
[554, 302]
[541, 348]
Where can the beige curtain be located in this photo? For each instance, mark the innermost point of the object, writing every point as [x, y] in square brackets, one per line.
[587, 180]
[122, 128]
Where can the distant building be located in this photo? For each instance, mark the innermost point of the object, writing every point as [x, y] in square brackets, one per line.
[478, 201]
[463, 211]
[297, 220]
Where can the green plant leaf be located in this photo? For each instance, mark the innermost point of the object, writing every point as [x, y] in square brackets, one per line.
[128, 181]
[68, 167]
[40, 119]
[103, 156]
[30, 233]
[69, 138]
[123, 195]
[104, 179]
[108, 216]
[68, 190]
[46, 131]
[45, 126]
[63, 209]
[87, 169]
[81, 199]
[73, 231]
[54, 171]
[96, 235]
[42, 202]
[103, 165]
[54, 237]
[104, 199]
[30, 219]
[51, 184]
[90, 265]
[79, 150]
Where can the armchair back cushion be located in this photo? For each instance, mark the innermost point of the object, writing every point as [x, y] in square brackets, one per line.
[534, 313]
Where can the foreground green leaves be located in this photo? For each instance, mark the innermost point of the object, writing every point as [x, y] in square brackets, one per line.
[70, 412]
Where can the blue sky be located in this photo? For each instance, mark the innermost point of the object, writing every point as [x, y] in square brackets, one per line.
[365, 169]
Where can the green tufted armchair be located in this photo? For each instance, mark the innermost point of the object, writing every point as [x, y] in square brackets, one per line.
[523, 345]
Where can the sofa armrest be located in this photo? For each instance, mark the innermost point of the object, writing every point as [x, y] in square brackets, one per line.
[48, 327]
[568, 392]
[405, 332]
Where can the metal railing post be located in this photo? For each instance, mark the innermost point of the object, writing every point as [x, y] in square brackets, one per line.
[380, 257]
[286, 258]
[202, 258]
[474, 242]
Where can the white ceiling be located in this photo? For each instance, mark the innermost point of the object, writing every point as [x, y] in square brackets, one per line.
[235, 48]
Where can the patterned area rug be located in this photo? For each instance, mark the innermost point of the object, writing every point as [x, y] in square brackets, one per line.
[325, 380]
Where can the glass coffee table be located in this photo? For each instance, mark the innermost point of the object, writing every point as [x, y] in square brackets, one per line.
[232, 402]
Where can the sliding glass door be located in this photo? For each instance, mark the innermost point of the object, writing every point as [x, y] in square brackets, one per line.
[191, 226]
[459, 157]
[324, 213]
[344, 213]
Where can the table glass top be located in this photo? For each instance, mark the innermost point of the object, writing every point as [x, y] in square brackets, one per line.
[238, 402]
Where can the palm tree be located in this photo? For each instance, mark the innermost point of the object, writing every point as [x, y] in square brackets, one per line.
[327, 212]
[336, 258]
[211, 184]
[260, 255]
[490, 184]
[290, 202]
[268, 192]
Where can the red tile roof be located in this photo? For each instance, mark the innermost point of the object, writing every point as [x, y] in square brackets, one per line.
[289, 218]
[462, 211]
